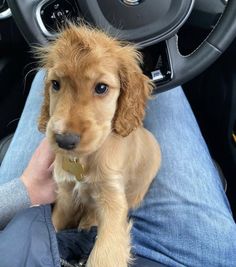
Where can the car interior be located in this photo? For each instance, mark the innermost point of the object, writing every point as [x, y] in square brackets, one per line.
[186, 42]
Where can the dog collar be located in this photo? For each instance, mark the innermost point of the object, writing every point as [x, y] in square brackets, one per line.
[74, 167]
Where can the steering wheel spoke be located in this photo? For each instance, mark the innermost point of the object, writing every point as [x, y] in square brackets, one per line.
[184, 68]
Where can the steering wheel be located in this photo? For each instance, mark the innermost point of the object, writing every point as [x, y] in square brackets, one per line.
[145, 22]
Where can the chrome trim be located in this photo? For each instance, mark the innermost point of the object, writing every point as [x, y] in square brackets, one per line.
[39, 19]
[131, 2]
[5, 14]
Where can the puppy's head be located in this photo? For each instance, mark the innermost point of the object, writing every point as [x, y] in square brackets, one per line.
[93, 86]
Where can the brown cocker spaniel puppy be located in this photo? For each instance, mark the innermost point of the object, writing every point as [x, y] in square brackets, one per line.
[95, 97]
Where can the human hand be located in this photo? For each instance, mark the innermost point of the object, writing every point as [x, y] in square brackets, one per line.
[37, 177]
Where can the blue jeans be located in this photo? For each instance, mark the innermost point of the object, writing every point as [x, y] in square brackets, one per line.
[185, 218]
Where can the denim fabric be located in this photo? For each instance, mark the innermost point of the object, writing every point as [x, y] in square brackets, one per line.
[185, 219]
[27, 136]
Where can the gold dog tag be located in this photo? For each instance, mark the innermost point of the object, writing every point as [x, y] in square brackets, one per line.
[74, 167]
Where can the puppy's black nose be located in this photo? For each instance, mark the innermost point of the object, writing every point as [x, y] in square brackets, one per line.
[67, 141]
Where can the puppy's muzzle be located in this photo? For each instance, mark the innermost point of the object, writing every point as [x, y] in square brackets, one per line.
[67, 141]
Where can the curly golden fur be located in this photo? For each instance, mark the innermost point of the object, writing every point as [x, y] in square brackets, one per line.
[119, 156]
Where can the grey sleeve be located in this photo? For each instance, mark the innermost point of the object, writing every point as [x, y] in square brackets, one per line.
[13, 197]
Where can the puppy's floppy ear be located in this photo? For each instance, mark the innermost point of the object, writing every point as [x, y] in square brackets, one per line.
[44, 114]
[136, 88]
[45, 57]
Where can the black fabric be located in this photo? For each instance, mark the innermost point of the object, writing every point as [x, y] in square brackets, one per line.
[75, 246]
[143, 262]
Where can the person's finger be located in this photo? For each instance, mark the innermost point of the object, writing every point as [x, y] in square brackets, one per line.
[46, 154]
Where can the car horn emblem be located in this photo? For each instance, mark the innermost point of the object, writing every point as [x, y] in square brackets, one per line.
[131, 2]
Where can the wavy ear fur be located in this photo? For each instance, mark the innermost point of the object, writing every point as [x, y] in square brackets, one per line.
[45, 57]
[44, 114]
[136, 88]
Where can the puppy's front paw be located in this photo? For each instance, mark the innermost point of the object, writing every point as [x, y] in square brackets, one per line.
[87, 221]
[56, 221]
[106, 261]
[109, 256]
[59, 221]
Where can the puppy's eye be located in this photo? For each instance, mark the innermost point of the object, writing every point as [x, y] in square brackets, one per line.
[55, 85]
[101, 89]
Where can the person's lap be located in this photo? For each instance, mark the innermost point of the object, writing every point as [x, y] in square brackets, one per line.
[185, 219]
[27, 137]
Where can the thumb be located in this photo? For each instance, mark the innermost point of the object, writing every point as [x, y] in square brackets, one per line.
[45, 154]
